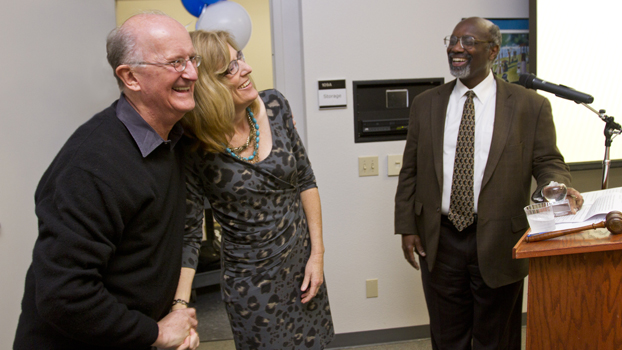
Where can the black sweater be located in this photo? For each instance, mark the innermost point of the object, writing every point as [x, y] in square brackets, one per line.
[107, 259]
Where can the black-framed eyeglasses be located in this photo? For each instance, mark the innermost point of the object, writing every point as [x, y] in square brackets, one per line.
[234, 66]
[179, 64]
[467, 41]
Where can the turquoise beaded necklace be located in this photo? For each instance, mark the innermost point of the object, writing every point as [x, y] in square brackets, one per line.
[252, 122]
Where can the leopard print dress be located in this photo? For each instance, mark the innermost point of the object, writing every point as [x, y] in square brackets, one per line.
[265, 238]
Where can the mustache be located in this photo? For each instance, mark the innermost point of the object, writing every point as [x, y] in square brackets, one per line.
[461, 55]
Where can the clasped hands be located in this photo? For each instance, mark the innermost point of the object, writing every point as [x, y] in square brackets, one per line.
[178, 330]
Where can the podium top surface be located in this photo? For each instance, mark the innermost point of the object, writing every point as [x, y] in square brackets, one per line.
[588, 241]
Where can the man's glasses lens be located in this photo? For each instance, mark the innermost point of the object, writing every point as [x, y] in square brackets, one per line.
[467, 42]
[450, 41]
[180, 64]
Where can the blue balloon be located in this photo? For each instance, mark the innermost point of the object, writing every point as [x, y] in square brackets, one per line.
[195, 7]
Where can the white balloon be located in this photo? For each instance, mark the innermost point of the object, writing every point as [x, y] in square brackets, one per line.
[229, 16]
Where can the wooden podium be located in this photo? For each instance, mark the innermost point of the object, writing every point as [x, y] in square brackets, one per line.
[575, 291]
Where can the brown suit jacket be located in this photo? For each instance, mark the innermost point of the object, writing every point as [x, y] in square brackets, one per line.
[523, 145]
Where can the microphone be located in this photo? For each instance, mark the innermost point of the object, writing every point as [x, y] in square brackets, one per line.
[530, 81]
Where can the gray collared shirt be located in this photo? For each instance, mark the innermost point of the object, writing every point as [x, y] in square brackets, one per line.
[143, 134]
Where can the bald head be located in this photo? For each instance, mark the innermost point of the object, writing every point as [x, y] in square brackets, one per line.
[484, 25]
[128, 42]
[477, 20]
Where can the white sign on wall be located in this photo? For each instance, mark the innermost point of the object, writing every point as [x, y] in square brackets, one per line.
[332, 93]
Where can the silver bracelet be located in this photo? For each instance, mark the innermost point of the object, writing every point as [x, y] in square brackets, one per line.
[180, 301]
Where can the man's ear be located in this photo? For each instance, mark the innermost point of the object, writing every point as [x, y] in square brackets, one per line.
[494, 51]
[126, 74]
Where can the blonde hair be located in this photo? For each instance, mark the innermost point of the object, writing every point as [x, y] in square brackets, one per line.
[210, 123]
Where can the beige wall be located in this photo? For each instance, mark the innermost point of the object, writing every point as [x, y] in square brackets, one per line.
[62, 79]
[258, 51]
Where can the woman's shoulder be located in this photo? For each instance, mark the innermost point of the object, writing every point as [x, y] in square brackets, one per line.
[271, 95]
[276, 103]
[274, 100]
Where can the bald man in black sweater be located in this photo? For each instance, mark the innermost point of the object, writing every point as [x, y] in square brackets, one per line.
[111, 209]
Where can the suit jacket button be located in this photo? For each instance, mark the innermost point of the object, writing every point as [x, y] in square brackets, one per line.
[438, 209]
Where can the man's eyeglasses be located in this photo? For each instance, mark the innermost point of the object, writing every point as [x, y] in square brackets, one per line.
[467, 42]
[234, 66]
[178, 64]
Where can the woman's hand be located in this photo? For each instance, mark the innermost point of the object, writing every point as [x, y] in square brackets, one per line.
[192, 342]
[314, 277]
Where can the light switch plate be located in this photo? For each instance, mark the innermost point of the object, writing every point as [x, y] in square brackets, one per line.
[394, 164]
[371, 287]
[368, 166]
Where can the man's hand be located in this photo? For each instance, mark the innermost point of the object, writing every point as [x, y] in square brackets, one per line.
[575, 199]
[314, 277]
[409, 244]
[176, 329]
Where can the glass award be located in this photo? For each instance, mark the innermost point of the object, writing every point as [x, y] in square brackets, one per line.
[555, 193]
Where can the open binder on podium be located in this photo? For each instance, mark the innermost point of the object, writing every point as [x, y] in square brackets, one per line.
[595, 208]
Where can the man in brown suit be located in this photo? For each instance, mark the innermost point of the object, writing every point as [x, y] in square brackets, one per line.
[473, 287]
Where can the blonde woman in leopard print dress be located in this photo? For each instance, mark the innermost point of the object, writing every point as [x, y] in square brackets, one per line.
[246, 158]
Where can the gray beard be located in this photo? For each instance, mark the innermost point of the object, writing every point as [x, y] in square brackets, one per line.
[460, 72]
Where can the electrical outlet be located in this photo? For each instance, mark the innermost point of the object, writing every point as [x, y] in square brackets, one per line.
[368, 166]
[372, 288]
[394, 164]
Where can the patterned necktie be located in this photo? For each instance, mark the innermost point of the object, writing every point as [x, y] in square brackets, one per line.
[461, 207]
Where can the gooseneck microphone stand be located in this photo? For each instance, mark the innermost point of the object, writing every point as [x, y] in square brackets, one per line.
[612, 129]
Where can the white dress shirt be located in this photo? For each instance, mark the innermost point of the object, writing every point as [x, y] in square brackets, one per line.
[484, 102]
